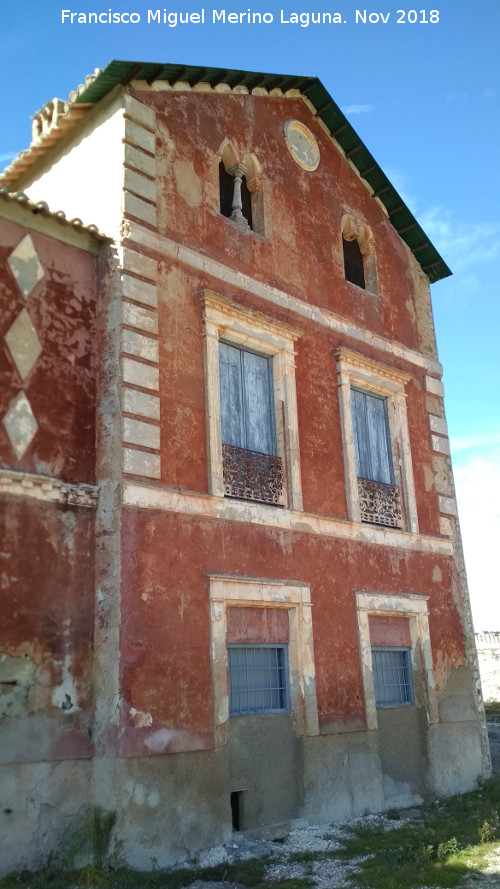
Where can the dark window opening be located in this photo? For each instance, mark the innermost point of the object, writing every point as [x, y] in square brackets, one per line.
[226, 191]
[237, 809]
[354, 269]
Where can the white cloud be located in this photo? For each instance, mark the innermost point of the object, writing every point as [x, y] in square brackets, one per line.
[7, 156]
[463, 244]
[478, 493]
[358, 109]
[467, 247]
[485, 439]
[400, 181]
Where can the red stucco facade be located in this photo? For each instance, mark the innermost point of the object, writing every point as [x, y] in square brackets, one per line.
[48, 537]
[118, 584]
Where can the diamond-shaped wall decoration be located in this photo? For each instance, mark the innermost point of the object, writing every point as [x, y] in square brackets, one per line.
[23, 343]
[25, 266]
[20, 424]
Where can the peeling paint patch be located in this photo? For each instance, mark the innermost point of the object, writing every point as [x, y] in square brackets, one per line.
[17, 676]
[141, 795]
[223, 714]
[159, 741]
[400, 794]
[187, 182]
[65, 695]
[140, 719]
[20, 424]
[18, 670]
[13, 700]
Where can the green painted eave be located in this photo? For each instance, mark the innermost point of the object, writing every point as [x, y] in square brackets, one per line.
[402, 219]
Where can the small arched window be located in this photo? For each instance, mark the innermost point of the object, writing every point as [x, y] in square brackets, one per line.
[240, 192]
[359, 254]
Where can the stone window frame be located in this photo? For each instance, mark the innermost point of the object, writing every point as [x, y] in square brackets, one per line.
[413, 606]
[356, 371]
[230, 591]
[224, 319]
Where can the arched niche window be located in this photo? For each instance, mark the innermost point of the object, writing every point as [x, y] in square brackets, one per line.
[359, 254]
[240, 193]
[227, 196]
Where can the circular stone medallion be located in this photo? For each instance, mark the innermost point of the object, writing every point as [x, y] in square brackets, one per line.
[301, 144]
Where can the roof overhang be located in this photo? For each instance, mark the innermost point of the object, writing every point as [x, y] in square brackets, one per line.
[324, 108]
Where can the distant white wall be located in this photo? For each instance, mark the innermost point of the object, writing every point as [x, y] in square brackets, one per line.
[488, 652]
[87, 180]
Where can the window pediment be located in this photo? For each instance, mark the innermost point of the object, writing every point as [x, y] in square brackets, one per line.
[366, 369]
[223, 312]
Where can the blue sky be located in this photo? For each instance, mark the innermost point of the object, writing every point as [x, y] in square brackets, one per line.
[424, 97]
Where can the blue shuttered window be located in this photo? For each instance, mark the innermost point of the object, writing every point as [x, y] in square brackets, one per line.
[251, 468]
[247, 410]
[371, 437]
[379, 496]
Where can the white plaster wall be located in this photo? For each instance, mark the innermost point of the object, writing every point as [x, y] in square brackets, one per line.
[86, 182]
[488, 653]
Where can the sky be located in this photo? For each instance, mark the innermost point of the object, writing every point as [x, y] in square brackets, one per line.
[422, 88]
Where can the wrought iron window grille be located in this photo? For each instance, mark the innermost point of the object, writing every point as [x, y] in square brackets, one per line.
[392, 677]
[250, 475]
[379, 503]
[258, 679]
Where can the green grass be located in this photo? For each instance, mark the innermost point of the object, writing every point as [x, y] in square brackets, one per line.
[493, 711]
[248, 873]
[451, 839]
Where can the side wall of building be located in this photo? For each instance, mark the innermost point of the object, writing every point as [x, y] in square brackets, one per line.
[86, 177]
[48, 496]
